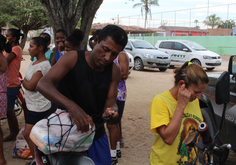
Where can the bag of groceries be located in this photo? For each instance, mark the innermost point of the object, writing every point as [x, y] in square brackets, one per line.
[59, 133]
[21, 148]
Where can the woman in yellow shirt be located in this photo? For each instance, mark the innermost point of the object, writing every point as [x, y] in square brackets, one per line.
[173, 112]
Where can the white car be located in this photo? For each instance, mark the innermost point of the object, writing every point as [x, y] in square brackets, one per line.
[184, 50]
[131, 62]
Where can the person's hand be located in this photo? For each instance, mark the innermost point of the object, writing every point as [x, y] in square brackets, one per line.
[111, 112]
[81, 119]
[183, 96]
[61, 46]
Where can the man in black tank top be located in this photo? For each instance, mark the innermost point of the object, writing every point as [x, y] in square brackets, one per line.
[87, 87]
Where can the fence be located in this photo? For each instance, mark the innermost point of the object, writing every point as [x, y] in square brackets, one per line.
[223, 45]
[186, 17]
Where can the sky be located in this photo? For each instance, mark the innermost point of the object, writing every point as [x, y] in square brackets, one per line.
[169, 12]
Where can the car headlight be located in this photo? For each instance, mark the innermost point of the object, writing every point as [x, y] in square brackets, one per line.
[207, 57]
[148, 56]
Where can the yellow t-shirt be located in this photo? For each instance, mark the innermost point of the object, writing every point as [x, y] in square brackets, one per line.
[162, 110]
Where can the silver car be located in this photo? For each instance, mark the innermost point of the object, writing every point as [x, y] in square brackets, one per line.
[146, 55]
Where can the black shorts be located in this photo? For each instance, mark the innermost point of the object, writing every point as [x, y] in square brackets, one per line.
[121, 105]
[33, 117]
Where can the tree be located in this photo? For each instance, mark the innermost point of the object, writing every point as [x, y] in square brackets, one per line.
[212, 21]
[227, 24]
[196, 22]
[66, 15]
[2, 23]
[24, 14]
[146, 6]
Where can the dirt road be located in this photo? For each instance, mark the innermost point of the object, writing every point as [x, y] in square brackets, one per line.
[142, 87]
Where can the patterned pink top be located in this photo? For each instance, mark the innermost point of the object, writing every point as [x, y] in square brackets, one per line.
[3, 95]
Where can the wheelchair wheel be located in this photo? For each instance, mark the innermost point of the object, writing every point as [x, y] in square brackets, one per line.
[18, 107]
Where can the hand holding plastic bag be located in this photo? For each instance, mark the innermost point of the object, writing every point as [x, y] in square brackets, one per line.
[59, 133]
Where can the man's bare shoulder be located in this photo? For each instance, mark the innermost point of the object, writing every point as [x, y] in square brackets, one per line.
[69, 59]
[116, 70]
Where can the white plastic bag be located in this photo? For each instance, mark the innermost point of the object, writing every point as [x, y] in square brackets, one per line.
[57, 134]
[21, 148]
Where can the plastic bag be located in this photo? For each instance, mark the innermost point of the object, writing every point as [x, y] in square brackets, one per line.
[21, 148]
[59, 133]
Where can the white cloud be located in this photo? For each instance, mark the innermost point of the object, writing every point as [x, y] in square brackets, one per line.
[200, 14]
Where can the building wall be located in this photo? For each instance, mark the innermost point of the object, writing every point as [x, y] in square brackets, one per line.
[223, 45]
[220, 32]
[187, 33]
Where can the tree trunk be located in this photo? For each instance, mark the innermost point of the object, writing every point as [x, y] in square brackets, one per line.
[66, 14]
[23, 41]
[88, 14]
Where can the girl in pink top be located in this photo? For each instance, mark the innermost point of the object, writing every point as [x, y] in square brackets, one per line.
[4, 45]
[13, 82]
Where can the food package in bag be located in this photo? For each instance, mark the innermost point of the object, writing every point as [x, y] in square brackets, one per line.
[21, 148]
[59, 133]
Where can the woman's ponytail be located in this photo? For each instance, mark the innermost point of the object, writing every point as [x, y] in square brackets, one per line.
[4, 44]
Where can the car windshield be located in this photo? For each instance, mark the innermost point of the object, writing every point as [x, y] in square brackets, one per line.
[194, 46]
[142, 45]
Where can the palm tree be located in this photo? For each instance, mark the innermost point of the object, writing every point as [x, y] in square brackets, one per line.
[146, 6]
[196, 22]
[212, 21]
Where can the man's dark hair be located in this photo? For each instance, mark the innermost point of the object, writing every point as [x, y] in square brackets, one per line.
[118, 35]
[95, 34]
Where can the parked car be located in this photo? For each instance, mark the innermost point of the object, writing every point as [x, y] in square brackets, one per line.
[146, 55]
[131, 62]
[212, 112]
[184, 50]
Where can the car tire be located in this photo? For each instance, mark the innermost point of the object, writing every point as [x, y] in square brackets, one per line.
[195, 61]
[162, 69]
[212, 127]
[210, 68]
[138, 64]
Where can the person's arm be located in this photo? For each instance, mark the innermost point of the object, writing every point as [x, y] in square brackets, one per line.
[124, 65]
[46, 86]
[32, 83]
[50, 58]
[168, 133]
[53, 61]
[3, 64]
[10, 57]
[110, 107]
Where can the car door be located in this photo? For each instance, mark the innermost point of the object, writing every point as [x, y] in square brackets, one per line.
[166, 47]
[179, 56]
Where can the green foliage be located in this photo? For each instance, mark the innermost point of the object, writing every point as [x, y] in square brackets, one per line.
[227, 24]
[23, 14]
[146, 7]
[212, 21]
[79, 23]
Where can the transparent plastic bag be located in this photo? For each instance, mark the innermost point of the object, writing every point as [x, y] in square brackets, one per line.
[59, 133]
[21, 148]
